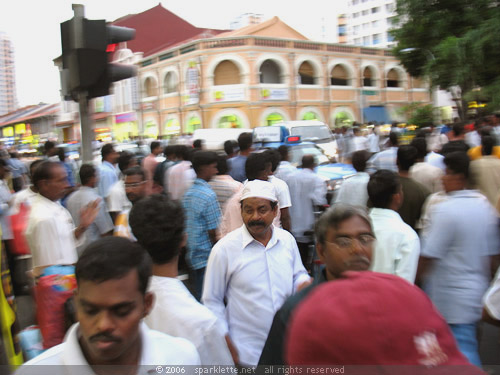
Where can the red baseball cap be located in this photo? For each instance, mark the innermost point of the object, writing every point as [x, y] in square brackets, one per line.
[370, 318]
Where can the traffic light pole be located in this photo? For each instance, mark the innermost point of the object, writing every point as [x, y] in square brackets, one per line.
[87, 133]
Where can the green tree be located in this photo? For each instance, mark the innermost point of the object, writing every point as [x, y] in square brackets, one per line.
[456, 43]
[417, 113]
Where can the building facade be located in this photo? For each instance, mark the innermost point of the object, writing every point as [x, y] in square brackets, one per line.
[368, 23]
[8, 94]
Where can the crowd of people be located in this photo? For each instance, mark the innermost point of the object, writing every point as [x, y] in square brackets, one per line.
[408, 248]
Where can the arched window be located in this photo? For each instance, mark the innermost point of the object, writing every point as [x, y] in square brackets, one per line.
[343, 119]
[393, 78]
[193, 124]
[273, 118]
[230, 121]
[306, 74]
[170, 83]
[269, 72]
[172, 127]
[310, 116]
[368, 77]
[226, 73]
[150, 87]
[339, 76]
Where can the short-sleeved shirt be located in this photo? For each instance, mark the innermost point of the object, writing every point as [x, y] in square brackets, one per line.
[463, 235]
[414, 196]
[237, 168]
[202, 214]
[107, 177]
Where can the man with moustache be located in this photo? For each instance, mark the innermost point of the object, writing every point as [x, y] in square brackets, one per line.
[111, 300]
[344, 242]
[251, 272]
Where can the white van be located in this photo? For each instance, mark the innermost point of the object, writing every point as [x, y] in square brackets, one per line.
[214, 138]
[313, 131]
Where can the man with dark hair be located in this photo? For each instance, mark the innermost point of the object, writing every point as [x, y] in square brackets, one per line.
[111, 300]
[26, 195]
[353, 190]
[198, 144]
[307, 190]
[117, 201]
[49, 149]
[149, 163]
[223, 184]
[230, 148]
[51, 233]
[457, 140]
[159, 177]
[237, 164]
[181, 175]
[485, 171]
[456, 254]
[158, 224]
[102, 225]
[385, 159]
[18, 170]
[202, 216]
[252, 271]
[344, 242]
[282, 190]
[107, 171]
[398, 246]
[136, 188]
[414, 193]
[285, 169]
[428, 175]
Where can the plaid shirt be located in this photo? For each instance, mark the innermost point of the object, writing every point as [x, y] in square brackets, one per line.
[202, 214]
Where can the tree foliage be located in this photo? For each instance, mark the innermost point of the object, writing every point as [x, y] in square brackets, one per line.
[454, 42]
[418, 113]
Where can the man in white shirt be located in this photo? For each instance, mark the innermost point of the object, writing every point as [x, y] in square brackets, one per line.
[116, 200]
[423, 172]
[26, 195]
[282, 190]
[180, 176]
[111, 299]
[398, 246]
[359, 141]
[158, 224]
[353, 190]
[108, 175]
[285, 169]
[251, 272]
[307, 190]
[51, 233]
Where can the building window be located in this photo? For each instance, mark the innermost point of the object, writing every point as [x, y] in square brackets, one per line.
[393, 78]
[375, 10]
[306, 74]
[170, 83]
[172, 127]
[376, 39]
[365, 12]
[366, 40]
[150, 87]
[366, 26]
[368, 80]
[375, 24]
[310, 116]
[339, 76]
[269, 72]
[226, 73]
[193, 124]
[356, 29]
[389, 8]
[390, 38]
[391, 21]
[230, 121]
[355, 15]
[274, 118]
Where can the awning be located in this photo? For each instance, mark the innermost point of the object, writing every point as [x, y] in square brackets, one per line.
[376, 113]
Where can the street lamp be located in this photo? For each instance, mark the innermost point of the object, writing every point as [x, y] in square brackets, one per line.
[430, 58]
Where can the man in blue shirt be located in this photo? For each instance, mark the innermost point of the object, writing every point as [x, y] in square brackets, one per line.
[202, 216]
[107, 172]
[237, 164]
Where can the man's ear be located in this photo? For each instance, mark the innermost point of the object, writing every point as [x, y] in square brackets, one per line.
[149, 300]
[183, 241]
[320, 250]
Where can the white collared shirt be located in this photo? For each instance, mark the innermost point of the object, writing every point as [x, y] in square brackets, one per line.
[158, 349]
[397, 248]
[50, 233]
[255, 280]
[176, 312]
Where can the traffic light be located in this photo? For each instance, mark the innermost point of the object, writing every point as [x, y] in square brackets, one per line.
[86, 66]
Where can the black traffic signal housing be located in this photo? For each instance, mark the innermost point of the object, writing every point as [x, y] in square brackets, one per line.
[86, 60]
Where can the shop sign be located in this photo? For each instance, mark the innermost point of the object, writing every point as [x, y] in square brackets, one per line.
[274, 94]
[228, 94]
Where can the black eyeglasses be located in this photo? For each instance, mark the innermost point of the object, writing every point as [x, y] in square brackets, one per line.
[346, 243]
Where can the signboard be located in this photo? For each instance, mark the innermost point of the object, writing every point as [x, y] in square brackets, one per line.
[228, 94]
[192, 84]
[274, 94]
[8, 131]
[267, 134]
[20, 128]
[369, 92]
[125, 117]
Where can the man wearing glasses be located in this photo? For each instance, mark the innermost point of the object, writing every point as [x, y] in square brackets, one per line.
[344, 242]
[398, 245]
[135, 188]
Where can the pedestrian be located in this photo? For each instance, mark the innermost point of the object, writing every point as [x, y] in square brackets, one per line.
[353, 189]
[423, 172]
[385, 159]
[223, 184]
[202, 216]
[485, 171]
[237, 163]
[116, 200]
[19, 171]
[457, 140]
[108, 174]
[307, 191]
[344, 242]
[158, 224]
[26, 195]
[181, 175]
[252, 271]
[136, 188]
[388, 322]
[398, 246]
[149, 163]
[282, 190]
[455, 260]
[83, 196]
[51, 233]
[285, 168]
[111, 300]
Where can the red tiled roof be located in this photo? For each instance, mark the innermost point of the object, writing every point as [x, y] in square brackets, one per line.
[34, 112]
[157, 29]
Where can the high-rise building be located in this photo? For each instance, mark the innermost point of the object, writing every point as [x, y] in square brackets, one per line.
[8, 97]
[369, 22]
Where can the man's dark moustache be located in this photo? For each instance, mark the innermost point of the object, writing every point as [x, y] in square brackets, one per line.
[256, 223]
[104, 337]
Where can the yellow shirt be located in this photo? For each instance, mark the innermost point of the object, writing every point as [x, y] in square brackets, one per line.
[475, 152]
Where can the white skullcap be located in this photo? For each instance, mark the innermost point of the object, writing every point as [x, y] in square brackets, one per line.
[259, 189]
